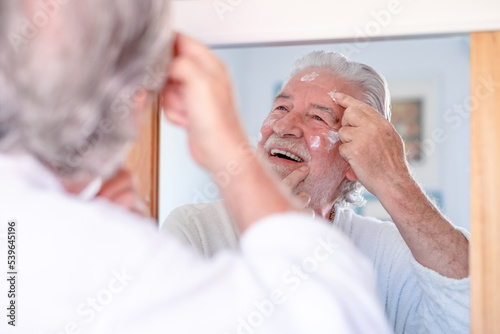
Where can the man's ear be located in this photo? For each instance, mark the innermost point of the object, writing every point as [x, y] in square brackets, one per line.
[350, 175]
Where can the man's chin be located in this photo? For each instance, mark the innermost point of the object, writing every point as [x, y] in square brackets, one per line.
[281, 171]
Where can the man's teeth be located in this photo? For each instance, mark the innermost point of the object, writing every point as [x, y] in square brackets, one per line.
[275, 152]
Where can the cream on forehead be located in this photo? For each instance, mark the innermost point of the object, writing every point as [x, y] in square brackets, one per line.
[309, 77]
[332, 95]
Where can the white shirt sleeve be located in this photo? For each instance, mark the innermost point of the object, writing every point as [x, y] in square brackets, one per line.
[92, 267]
[328, 287]
[417, 299]
[292, 275]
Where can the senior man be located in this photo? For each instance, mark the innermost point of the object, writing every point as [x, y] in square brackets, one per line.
[87, 266]
[327, 129]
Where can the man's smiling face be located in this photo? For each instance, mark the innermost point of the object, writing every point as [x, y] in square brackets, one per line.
[301, 129]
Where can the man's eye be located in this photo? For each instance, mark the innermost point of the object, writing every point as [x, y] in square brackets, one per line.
[318, 118]
[281, 108]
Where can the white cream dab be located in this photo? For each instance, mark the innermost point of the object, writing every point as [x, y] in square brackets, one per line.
[309, 77]
[333, 138]
[269, 122]
[315, 142]
[332, 95]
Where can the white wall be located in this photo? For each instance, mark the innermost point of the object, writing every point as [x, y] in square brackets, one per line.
[237, 22]
[413, 64]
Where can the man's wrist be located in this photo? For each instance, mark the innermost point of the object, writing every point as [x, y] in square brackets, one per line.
[398, 188]
[230, 156]
[405, 201]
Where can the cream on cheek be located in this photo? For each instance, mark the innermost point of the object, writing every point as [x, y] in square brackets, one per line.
[327, 140]
[259, 137]
[314, 142]
[331, 138]
[270, 120]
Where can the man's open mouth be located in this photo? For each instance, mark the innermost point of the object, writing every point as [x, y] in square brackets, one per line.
[285, 155]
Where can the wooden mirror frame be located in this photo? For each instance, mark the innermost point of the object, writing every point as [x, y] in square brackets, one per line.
[299, 21]
[485, 186]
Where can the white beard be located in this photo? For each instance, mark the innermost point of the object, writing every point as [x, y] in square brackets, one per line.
[322, 192]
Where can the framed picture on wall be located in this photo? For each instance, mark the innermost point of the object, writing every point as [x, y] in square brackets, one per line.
[415, 105]
[407, 117]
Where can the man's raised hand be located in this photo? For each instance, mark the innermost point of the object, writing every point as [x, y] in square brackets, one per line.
[198, 96]
[371, 145]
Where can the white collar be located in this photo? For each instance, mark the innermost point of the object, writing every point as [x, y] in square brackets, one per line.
[29, 170]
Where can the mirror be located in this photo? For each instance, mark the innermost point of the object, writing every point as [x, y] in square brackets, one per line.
[429, 83]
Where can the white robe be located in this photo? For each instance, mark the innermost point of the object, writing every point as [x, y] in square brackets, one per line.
[416, 299]
[91, 267]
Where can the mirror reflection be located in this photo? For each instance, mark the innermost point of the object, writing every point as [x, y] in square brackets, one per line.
[428, 80]
[323, 129]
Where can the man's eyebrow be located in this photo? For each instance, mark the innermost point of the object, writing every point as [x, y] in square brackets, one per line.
[282, 96]
[327, 109]
[322, 107]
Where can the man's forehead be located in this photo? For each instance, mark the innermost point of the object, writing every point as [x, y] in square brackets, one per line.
[315, 75]
[283, 95]
[318, 79]
[293, 91]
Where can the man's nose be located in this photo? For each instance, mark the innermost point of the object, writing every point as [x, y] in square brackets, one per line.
[289, 126]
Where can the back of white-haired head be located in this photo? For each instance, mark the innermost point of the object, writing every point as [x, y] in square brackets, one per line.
[70, 71]
[375, 93]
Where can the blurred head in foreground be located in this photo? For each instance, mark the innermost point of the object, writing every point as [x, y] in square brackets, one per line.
[74, 76]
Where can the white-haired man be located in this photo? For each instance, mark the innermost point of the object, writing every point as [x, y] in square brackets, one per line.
[73, 77]
[328, 128]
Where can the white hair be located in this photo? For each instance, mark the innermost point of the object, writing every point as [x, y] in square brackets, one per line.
[376, 94]
[70, 71]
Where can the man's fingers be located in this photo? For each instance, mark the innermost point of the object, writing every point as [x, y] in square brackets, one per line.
[121, 190]
[353, 117]
[132, 202]
[304, 199]
[183, 75]
[122, 181]
[356, 112]
[348, 134]
[184, 71]
[295, 177]
[185, 78]
[199, 53]
[174, 106]
[176, 117]
[345, 151]
[347, 101]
